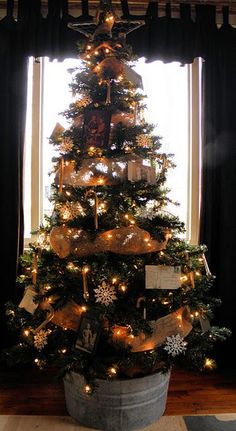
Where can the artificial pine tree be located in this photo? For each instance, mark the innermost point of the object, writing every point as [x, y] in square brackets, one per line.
[110, 290]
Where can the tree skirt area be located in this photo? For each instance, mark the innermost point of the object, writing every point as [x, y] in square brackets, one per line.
[226, 422]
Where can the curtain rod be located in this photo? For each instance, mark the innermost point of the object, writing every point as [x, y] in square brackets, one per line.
[141, 4]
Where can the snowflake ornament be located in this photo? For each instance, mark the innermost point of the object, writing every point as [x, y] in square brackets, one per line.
[143, 140]
[175, 345]
[83, 102]
[41, 339]
[105, 294]
[66, 145]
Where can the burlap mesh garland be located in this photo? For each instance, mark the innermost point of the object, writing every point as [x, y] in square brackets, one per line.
[175, 323]
[124, 240]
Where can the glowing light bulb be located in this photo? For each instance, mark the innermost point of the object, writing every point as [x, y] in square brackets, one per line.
[87, 389]
[209, 363]
[67, 163]
[197, 273]
[112, 371]
[85, 269]
[107, 50]
[89, 47]
[183, 278]
[114, 280]
[84, 308]
[36, 360]
[123, 288]
[26, 332]
[68, 193]
[96, 52]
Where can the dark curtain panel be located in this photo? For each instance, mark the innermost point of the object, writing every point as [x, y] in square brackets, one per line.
[218, 218]
[13, 80]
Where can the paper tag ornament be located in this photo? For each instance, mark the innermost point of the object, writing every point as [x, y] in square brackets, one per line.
[133, 76]
[205, 324]
[27, 301]
[137, 171]
[162, 277]
[57, 132]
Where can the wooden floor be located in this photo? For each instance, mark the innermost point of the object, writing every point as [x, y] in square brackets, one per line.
[36, 393]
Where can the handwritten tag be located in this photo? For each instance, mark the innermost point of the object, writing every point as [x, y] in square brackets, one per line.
[137, 171]
[27, 301]
[133, 76]
[205, 324]
[162, 277]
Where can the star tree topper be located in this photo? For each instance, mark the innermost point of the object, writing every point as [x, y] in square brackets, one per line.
[106, 22]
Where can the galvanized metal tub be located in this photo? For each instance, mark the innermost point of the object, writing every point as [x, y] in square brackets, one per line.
[117, 405]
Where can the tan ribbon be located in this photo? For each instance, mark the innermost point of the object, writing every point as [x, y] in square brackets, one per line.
[46, 321]
[35, 269]
[61, 175]
[92, 192]
[85, 284]
[108, 98]
[207, 269]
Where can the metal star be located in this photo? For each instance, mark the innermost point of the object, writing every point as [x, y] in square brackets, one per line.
[121, 27]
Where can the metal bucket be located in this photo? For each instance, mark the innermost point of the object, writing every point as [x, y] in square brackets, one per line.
[117, 405]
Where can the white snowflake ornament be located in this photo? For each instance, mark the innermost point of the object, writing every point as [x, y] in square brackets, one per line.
[175, 345]
[105, 294]
[41, 339]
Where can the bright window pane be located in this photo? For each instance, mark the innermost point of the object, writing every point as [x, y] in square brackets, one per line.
[166, 87]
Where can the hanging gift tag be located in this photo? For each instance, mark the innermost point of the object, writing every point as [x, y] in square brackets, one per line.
[133, 76]
[137, 171]
[162, 277]
[57, 132]
[205, 324]
[27, 301]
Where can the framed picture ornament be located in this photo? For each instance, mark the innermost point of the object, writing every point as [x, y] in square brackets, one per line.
[88, 334]
[96, 129]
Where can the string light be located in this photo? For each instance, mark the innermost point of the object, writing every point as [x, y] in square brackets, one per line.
[36, 360]
[183, 278]
[112, 371]
[84, 308]
[209, 363]
[63, 351]
[114, 280]
[88, 389]
[26, 332]
[123, 288]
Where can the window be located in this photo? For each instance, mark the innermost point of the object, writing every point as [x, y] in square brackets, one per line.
[173, 104]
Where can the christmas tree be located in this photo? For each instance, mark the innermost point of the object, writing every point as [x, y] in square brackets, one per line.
[110, 290]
